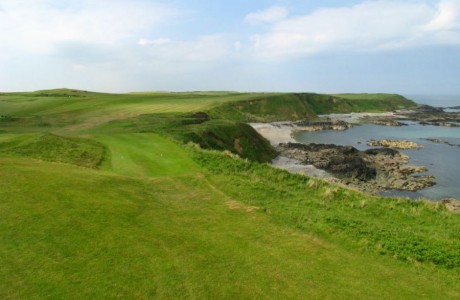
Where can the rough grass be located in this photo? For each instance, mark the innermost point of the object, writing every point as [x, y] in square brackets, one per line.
[79, 233]
[408, 230]
[50, 147]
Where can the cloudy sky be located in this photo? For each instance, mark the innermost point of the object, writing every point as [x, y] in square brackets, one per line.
[404, 46]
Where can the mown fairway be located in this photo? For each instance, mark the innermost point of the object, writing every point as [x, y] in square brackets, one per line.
[76, 110]
[92, 210]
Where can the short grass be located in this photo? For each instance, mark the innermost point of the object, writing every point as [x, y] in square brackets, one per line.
[146, 155]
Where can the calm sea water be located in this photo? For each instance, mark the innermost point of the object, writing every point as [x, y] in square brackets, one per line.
[442, 160]
[436, 100]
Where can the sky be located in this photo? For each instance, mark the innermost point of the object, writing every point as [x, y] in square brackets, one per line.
[328, 46]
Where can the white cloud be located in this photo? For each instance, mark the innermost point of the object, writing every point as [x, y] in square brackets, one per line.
[155, 42]
[38, 26]
[268, 15]
[448, 16]
[368, 26]
[205, 48]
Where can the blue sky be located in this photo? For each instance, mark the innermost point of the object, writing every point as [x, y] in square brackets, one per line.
[406, 46]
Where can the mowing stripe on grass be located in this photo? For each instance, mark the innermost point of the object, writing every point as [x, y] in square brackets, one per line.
[146, 154]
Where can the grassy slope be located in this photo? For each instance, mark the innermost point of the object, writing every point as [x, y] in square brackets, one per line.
[282, 107]
[161, 220]
[405, 229]
[51, 147]
[118, 236]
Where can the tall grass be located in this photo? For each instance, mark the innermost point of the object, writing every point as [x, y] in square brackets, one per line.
[401, 228]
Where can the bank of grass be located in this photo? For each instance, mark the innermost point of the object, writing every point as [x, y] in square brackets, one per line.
[51, 147]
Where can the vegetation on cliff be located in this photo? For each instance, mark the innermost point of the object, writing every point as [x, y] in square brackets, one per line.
[292, 107]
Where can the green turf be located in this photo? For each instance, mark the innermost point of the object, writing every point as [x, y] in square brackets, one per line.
[404, 229]
[109, 236]
[145, 155]
[51, 147]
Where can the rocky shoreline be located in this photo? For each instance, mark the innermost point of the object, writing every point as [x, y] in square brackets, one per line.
[371, 171]
[326, 124]
[429, 115]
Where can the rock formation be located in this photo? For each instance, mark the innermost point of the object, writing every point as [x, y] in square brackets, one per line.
[322, 125]
[395, 144]
[372, 170]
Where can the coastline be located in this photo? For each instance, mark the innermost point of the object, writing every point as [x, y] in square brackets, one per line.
[388, 170]
[281, 133]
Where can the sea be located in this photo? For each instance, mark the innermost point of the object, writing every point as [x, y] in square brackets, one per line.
[442, 159]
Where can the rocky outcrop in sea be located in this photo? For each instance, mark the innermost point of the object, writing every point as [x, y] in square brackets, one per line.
[426, 115]
[395, 144]
[327, 124]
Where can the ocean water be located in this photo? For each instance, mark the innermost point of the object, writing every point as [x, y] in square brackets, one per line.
[436, 100]
[442, 160]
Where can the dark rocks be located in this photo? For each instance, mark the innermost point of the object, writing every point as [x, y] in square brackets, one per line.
[396, 144]
[196, 118]
[382, 151]
[388, 122]
[342, 161]
[429, 109]
[451, 204]
[322, 125]
[436, 116]
[441, 141]
[424, 114]
[372, 170]
[445, 124]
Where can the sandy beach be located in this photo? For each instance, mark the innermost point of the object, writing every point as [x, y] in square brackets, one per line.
[281, 132]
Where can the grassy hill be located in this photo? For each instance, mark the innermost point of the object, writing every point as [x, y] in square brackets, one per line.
[101, 198]
[282, 107]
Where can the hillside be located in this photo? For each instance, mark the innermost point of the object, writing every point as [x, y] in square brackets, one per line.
[104, 196]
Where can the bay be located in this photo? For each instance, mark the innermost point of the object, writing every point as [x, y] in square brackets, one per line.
[442, 160]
